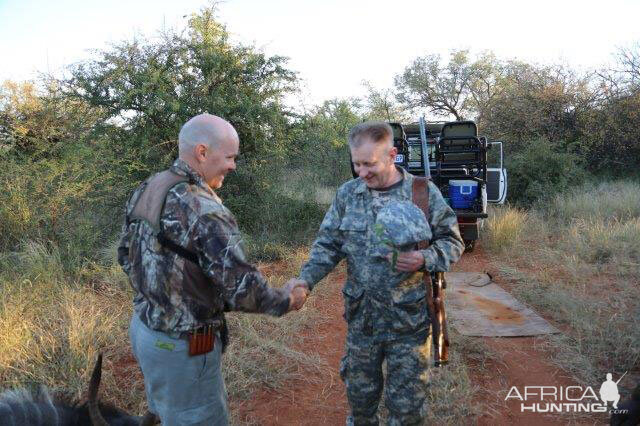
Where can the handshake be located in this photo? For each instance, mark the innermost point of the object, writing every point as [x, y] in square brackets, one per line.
[298, 290]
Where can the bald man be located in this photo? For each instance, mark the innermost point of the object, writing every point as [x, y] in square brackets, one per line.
[182, 251]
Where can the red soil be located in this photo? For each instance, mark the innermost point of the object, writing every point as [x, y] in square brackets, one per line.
[315, 397]
[516, 362]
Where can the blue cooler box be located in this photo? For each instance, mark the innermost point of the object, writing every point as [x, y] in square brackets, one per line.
[463, 193]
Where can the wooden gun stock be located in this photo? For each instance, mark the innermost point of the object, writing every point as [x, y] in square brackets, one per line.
[435, 288]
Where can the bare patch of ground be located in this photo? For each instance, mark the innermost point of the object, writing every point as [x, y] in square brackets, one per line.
[516, 361]
[314, 396]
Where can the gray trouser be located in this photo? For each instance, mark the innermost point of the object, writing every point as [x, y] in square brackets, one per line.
[406, 381]
[181, 389]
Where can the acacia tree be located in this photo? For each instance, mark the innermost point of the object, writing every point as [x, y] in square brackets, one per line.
[537, 102]
[381, 104]
[629, 60]
[149, 88]
[611, 140]
[35, 119]
[321, 139]
[458, 88]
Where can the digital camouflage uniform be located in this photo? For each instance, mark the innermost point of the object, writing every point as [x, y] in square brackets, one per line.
[385, 310]
[194, 218]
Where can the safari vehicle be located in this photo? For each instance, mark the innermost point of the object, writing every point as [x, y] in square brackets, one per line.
[457, 164]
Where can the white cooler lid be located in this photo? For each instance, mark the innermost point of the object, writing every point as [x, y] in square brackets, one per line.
[457, 182]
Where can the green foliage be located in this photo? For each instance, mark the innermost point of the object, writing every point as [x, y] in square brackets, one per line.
[34, 121]
[534, 102]
[262, 208]
[538, 172]
[383, 236]
[382, 105]
[592, 114]
[321, 141]
[150, 88]
[611, 144]
[153, 87]
[459, 87]
[72, 156]
[62, 201]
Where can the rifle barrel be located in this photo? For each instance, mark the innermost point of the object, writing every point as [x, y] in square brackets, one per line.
[425, 152]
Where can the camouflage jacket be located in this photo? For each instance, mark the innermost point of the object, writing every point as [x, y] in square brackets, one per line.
[193, 217]
[379, 301]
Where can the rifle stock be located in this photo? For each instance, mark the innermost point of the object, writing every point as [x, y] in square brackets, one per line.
[435, 287]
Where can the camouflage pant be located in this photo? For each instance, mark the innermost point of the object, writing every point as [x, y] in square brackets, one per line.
[405, 387]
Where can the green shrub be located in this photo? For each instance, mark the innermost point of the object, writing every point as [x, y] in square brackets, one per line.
[73, 201]
[539, 172]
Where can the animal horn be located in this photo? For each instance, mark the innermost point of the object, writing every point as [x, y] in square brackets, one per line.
[149, 419]
[94, 384]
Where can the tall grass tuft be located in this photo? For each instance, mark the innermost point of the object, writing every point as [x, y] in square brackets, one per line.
[505, 227]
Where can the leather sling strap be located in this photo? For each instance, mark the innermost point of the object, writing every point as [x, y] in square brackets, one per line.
[420, 197]
[150, 204]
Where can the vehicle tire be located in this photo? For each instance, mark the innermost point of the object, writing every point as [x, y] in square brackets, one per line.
[469, 245]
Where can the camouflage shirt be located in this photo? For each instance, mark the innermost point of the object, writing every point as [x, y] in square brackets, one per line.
[380, 301]
[194, 217]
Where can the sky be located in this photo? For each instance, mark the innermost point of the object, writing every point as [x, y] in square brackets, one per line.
[333, 44]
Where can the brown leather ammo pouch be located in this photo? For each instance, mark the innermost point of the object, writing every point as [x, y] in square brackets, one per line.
[201, 340]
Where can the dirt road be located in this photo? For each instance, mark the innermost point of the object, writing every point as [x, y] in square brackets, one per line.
[317, 397]
[314, 397]
[519, 362]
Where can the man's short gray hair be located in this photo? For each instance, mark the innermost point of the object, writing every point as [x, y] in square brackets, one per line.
[374, 131]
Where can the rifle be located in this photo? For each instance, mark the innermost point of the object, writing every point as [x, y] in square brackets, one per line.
[434, 286]
[438, 317]
[426, 166]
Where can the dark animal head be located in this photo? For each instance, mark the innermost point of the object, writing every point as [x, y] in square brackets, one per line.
[39, 409]
[107, 415]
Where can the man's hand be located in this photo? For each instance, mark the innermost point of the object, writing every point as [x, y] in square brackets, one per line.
[293, 283]
[410, 261]
[298, 291]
